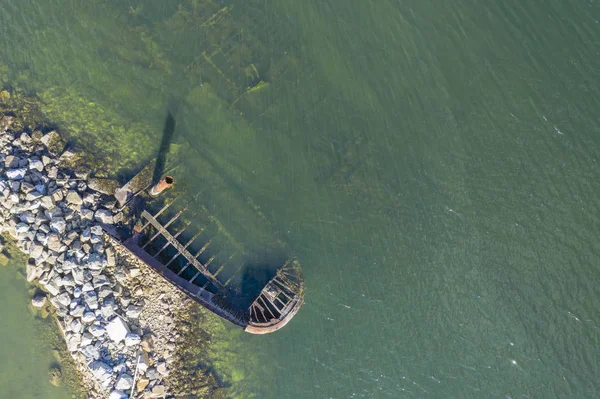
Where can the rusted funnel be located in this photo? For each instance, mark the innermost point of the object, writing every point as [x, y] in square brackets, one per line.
[159, 187]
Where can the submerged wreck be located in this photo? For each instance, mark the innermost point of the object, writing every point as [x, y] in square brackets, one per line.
[172, 249]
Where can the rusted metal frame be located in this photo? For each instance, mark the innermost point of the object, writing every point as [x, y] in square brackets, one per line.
[281, 302]
[223, 265]
[261, 297]
[164, 208]
[261, 311]
[255, 314]
[281, 289]
[232, 276]
[187, 244]
[195, 276]
[195, 257]
[282, 279]
[180, 248]
[175, 236]
[164, 228]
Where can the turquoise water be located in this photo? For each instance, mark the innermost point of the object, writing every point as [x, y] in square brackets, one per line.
[433, 167]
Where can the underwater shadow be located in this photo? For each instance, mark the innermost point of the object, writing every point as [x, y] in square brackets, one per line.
[165, 144]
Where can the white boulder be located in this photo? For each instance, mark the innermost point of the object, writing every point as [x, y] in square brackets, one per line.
[117, 330]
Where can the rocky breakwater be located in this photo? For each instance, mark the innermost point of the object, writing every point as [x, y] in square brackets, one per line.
[56, 218]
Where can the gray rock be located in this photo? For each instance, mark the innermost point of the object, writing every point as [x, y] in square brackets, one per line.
[34, 272]
[101, 370]
[36, 249]
[78, 311]
[117, 329]
[133, 311]
[18, 174]
[21, 228]
[54, 242]
[38, 301]
[110, 257]
[86, 339]
[11, 161]
[133, 340]
[58, 225]
[158, 391]
[104, 291]
[124, 382]
[107, 311]
[97, 330]
[87, 286]
[100, 280]
[73, 197]
[91, 299]
[52, 288]
[34, 195]
[118, 395]
[47, 202]
[27, 187]
[73, 341]
[78, 276]
[76, 326]
[63, 299]
[95, 262]
[91, 352]
[88, 317]
[152, 374]
[36, 164]
[103, 216]
[162, 368]
[46, 161]
[86, 214]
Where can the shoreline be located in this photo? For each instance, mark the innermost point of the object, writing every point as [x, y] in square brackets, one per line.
[115, 314]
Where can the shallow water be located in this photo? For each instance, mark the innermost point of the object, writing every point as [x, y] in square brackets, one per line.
[433, 167]
[24, 347]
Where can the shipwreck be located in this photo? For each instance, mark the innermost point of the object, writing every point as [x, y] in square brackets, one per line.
[179, 251]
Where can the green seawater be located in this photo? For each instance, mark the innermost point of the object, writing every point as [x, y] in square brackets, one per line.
[433, 165]
[25, 349]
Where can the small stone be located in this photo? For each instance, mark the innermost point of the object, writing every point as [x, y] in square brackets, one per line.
[118, 395]
[58, 225]
[11, 161]
[141, 384]
[91, 299]
[78, 311]
[103, 216]
[162, 368]
[91, 352]
[88, 317]
[100, 370]
[158, 391]
[38, 301]
[133, 311]
[86, 339]
[27, 187]
[18, 174]
[46, 160]
[36, 164]
[73, 197]
[22, 228]
[97, 330]
[132, 340]
[73, 341]
[117, 329]
[54, 242]
[124, 382]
